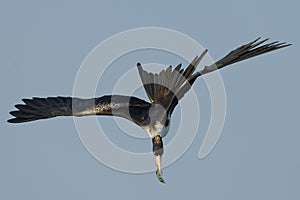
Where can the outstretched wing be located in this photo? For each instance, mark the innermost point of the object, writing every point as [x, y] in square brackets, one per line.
[131, 108]
[241, 53]
[169, 86]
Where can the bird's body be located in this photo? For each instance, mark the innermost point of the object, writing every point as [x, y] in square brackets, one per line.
[164, 90]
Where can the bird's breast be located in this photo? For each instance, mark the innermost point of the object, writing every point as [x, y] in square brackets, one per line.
[157, 129]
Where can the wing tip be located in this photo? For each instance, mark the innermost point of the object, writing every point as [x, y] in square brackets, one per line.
[10, 120]
[17, 120]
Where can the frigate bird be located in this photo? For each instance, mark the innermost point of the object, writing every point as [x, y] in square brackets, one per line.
[164, 90]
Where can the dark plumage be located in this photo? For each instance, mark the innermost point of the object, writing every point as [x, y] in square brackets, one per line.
[164, 90]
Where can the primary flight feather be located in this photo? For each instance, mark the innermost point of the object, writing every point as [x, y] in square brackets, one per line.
[164, 90]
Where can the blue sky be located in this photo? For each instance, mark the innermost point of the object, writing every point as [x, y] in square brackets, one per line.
[43, 44]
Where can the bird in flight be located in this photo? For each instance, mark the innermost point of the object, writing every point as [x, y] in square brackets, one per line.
[164, 90]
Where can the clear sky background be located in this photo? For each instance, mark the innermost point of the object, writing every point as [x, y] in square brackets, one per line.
[43, 43]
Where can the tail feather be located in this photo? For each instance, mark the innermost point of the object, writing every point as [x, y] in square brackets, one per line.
[163, 88]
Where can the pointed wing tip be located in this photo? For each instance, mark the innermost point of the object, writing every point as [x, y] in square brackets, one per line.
[10, 120]
[25, 99]
[13, 112]
[277, 44]
[15, 120]
[286, 44]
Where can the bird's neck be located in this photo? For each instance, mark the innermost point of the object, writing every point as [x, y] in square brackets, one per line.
[157, 128]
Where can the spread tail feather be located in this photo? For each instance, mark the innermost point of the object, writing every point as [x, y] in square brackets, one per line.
[163, 88]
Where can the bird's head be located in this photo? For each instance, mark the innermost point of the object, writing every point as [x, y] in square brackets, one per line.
[158, 146]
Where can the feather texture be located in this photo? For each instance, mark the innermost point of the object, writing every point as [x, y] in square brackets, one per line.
[131, 108]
